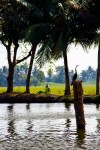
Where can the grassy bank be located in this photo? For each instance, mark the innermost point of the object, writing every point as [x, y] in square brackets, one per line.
[56, 89]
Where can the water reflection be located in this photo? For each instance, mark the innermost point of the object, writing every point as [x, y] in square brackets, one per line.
[47, 127]
[30, 126]
[29, 122]
[28, 106]
[10, 107]
[68, 123]
[97, 106]
[67, 133]
[67, 105]
[98, 125]
[80, 138]
[11, 125]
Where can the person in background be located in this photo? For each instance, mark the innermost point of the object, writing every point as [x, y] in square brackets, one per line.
[47, 89]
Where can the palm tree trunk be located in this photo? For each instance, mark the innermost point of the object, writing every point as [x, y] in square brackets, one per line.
[67, 83]
[30, 69]
[10, 79]
[98, 72]
[10, 69]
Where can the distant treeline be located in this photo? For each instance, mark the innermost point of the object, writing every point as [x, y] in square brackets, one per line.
[38, 76]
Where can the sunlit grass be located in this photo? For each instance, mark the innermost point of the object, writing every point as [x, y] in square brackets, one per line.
[56, 89]
[3, 89]
[89, 90]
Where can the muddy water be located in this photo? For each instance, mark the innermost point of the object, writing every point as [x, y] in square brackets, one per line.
[48, 127]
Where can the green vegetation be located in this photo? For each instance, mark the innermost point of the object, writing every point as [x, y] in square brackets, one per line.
[37, 75]
[89, 89]
[56, 89]
[52, 26]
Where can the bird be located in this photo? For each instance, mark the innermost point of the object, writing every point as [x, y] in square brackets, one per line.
[75, 75]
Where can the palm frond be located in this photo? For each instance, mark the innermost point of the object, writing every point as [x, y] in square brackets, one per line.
[28, 4]
[35, 33]
[43, 54]
[97, 39]
[60, 46]
[53, 48]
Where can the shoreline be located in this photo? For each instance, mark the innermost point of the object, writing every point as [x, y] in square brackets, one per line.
[42, 98]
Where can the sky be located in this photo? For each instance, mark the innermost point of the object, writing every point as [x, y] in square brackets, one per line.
[82, 57]
[76, 56]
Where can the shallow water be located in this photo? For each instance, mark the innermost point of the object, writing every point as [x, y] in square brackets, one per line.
[48, 127]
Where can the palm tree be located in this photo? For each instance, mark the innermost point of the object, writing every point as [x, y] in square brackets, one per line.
[57, 42]
[73, 28]
[34, 34]
[44, 32]
[93, 16]
[68, 23]
[97, 42]
[33, 49]
[57, 19]
[98, 72]
[13, 17]
[37, 31]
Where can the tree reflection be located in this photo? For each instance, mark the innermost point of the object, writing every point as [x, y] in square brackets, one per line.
[80, 138]
[30, 126]
[11, 127]
[67, 132]
[29, 123]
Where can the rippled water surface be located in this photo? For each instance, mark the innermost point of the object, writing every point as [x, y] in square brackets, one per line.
[48, 127]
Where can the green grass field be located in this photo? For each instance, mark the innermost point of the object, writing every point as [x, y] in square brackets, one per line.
[56, 89]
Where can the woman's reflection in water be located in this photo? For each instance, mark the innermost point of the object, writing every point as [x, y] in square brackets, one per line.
[67, 105]
[10, 108]
[98, 125]
[68, 122]
[28, 106]
[11, 127]
[97, 106]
